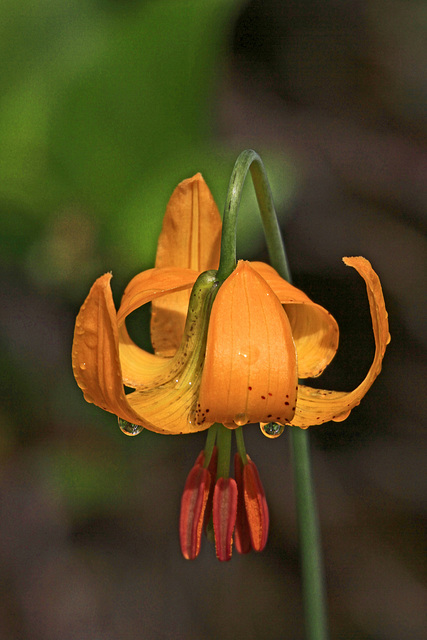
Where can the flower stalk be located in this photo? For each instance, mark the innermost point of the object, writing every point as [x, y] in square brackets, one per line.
[308, 527]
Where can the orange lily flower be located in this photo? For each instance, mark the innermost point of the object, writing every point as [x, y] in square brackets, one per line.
[233, 355]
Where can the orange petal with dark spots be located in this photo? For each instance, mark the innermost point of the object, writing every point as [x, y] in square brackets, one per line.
[250, 371]
[104, 357]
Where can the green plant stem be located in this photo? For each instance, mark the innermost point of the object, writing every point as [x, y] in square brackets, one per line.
[308, 528]
[249, 160]
[241, 445]
[223, 440]
[210, 443]
[309, 537]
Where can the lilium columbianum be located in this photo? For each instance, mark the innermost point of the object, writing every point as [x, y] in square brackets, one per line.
[234, 355]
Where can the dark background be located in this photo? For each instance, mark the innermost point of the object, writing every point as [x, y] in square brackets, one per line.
[104, 107]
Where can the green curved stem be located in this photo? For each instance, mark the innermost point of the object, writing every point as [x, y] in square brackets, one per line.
[249, 160]
[223, 440]
[308, 527]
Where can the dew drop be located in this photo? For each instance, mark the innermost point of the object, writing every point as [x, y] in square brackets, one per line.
[240, 419]
[128, 428]
[82, 366]
[272, 429]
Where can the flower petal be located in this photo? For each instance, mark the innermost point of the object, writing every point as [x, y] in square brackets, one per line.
[250, 372]
[167, 396]
[315, 406]
[153, 283]
[166, 405]
[139, 367]
[191, 232]
[314, 330]
[95, 353]
[190, 238]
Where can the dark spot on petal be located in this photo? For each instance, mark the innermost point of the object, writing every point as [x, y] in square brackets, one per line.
[207, 410]
[293, 408]
[270, 394]
[250, 388]
[269, 415]
[287, 403]
[263, 397]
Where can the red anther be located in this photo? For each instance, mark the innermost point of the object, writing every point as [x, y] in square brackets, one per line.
[224, 516]
[242, 538]
[193, 505]
[256, 506]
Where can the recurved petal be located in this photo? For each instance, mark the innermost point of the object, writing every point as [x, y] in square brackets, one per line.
[140, 368]
[166, 394]
[169, 407]
[152, 284]
[314, 330]
[250, 372]
[315, 406]
[190, 238]
[95, 353]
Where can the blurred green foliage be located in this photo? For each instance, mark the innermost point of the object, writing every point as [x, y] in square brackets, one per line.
[104, 108]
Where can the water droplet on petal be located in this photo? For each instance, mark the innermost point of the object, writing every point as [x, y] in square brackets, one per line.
[240, 419]
[83, 366]
[272, 429]
[129, 428]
